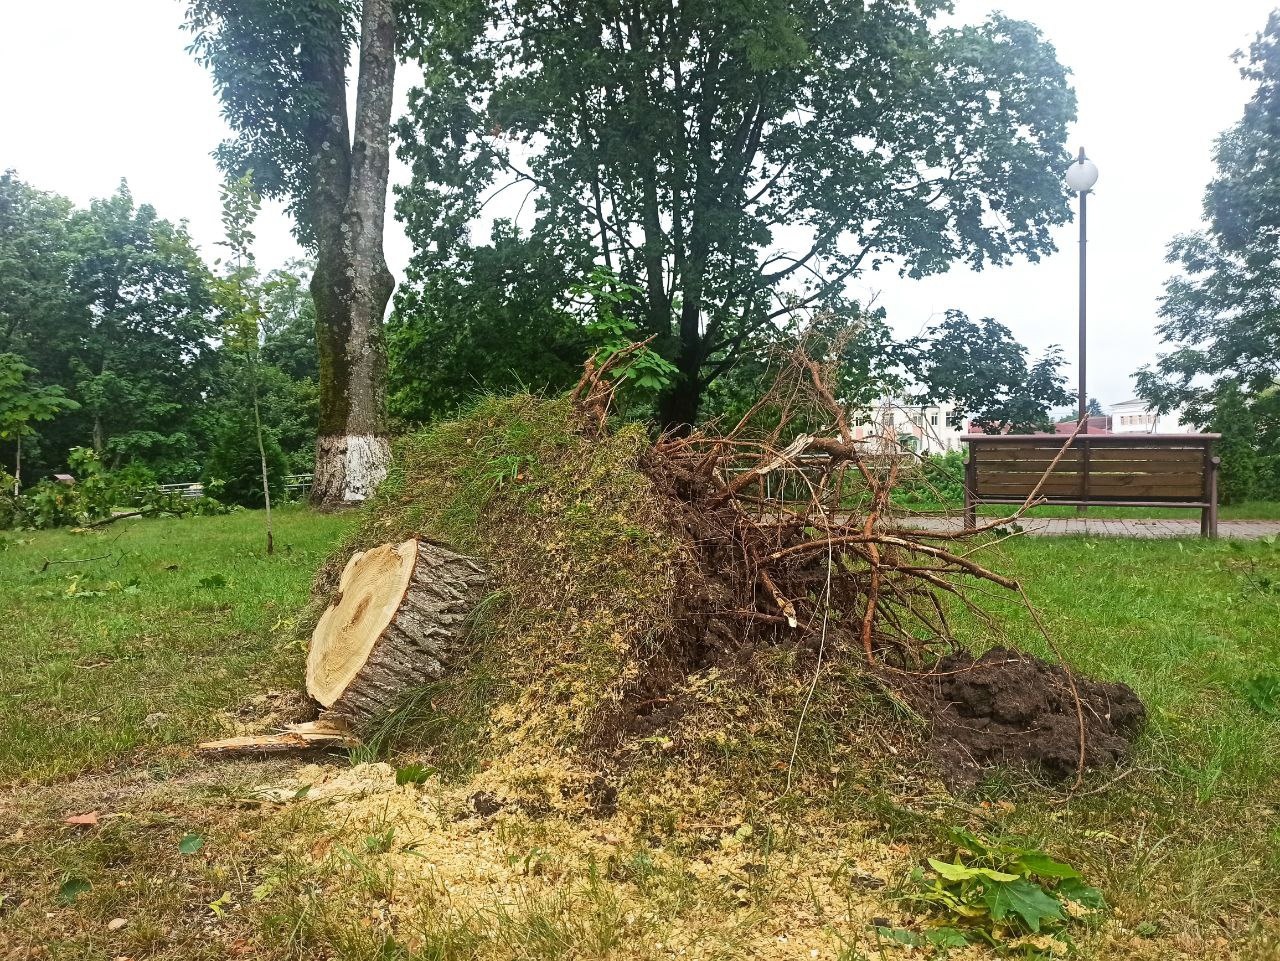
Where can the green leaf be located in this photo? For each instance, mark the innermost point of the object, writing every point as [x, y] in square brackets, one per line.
[959, 872]
[899, 936]
[413, 774]
[1039, 863]
[1022, 898]
[968, 842]
[190, 844]
[72, 888]
[1073, 889]
[946, 938]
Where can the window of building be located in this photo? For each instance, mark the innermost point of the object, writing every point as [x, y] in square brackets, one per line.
[933, 419]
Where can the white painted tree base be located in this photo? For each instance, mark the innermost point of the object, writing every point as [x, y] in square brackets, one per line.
[349, 468]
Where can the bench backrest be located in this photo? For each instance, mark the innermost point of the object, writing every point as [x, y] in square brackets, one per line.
[1097, 468]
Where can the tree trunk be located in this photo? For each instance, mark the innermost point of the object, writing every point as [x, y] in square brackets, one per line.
[352, 284]
[396, 621]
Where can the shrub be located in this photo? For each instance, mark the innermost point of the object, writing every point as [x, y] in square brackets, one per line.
[93, 497]
[235, 464]
[936, 479]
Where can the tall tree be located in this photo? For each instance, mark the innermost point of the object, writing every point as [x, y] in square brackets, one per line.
[22, 403]
[1220, 315]
[280, 69]
[35, 255]
[737, 162]
[135, 345]
[981, 368]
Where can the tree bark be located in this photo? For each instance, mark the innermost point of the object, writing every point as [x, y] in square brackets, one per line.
[352, 284]
[396, 621]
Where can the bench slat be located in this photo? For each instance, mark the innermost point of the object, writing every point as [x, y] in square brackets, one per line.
[1061, 489]
[1073, 467]
[1112, 455]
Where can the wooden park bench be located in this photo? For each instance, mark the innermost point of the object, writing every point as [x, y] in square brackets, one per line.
[1112, 470]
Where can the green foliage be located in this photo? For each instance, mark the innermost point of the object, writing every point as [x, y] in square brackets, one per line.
[1219, 316]
[1263, 694]
[484, 319]
[999, 892]
[23, 403]
[1233, 419]
[113, 307]
[95, 495]
[275, 67]
[643, 374]
[852, 123]
[413, 774]
[981, 368]
[938, 479]
[235, 462]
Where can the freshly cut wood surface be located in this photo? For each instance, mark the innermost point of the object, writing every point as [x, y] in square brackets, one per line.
[397, 620]
[370, 591]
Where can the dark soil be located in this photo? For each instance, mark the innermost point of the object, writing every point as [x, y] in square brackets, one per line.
[1009, 708]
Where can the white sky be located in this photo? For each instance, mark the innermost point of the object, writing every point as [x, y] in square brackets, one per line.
[96, 90]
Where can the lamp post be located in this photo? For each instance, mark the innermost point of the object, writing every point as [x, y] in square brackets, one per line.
[1081, 176]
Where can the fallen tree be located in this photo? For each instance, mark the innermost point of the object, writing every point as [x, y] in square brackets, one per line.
[630, 571]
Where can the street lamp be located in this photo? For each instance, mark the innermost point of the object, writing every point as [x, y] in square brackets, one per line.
[1081, 176]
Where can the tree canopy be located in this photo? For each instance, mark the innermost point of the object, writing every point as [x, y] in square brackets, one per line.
[981, 368]
[1221, 314]
[735, 162]
[112, 307]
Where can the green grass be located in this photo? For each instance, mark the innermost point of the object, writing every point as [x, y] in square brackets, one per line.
[183, 618]
[170, 620]
[1190, 625]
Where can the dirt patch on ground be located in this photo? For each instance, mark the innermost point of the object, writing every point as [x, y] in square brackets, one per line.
[1010, 708]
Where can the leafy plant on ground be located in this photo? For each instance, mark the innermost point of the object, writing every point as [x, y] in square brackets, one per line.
[997, 892]
[96, 494]
[1263, 694]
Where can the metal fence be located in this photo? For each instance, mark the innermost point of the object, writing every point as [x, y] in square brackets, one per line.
[298, 486]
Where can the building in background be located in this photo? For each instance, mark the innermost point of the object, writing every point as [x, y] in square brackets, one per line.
[921, 428]
[1135, 417]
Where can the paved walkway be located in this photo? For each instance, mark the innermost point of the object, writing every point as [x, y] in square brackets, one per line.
[1111, 527]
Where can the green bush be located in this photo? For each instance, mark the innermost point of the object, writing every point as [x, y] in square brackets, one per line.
[93, 497]
[936, 479]
[235, 465]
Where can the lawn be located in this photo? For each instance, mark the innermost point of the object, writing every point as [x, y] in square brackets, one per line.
[1191, 830]
[136, 635]
[110, 667]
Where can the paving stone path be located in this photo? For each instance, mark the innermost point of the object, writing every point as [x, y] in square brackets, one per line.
[1112, 527]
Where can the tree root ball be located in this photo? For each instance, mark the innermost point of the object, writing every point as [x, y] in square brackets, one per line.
[1010, 708]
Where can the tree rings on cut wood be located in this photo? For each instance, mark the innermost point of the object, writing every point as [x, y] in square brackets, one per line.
[396, 621]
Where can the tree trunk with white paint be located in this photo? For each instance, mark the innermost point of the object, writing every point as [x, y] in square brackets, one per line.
[352, 284]
[398, 620]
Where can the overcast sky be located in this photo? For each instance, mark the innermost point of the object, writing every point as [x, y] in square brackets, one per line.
[96, 90]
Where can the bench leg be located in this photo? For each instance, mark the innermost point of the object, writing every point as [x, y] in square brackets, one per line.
[1209, 522]
[970, 512]
[1209, 516]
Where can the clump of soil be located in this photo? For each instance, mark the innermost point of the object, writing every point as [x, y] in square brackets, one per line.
[1010, 708]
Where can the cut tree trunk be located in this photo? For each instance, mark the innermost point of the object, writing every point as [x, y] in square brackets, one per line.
[397, 620]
